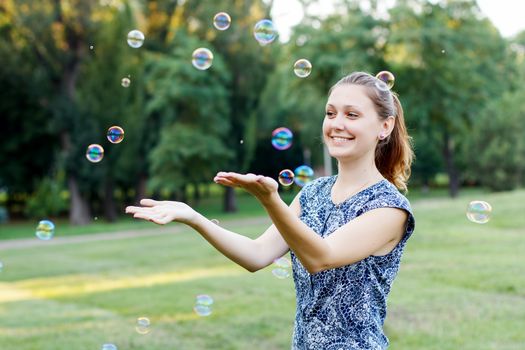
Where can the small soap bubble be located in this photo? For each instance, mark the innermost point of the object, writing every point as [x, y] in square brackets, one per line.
[109, 347]
[115, 134]
[282, 268]
[241, 142]
[387, 78]
[91, 47]
[281, 273]
[94, 153]
[264, 31]
[302, 68]
[286, 177]
[125, 82]
[45, 230]
[143, 325]
[303, 175]
[203, 303]
[135, 39]
[202, 58]
[222, 21]
[479, 212]
[282, 138]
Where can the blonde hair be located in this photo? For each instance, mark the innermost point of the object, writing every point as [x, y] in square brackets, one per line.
[394, 154]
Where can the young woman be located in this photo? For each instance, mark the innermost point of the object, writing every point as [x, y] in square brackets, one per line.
[345, 233]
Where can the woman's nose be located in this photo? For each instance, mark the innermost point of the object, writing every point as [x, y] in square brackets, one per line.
[338, 122]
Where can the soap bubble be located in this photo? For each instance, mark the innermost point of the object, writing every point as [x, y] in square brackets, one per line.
[286, 177]
[386, 78]
[302, 68]
[282, 266]
[143, 325]
[125, 82]
[202, 58]
[203, 303]
[303, 175]
[45, 230]
[479, 212]
[135, 39]
[94, 153]
[109, 347]
[115, 134]
[222, 21]
[264, 31]
[282, 138]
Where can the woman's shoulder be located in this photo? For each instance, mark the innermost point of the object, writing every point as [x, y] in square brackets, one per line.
[385, 194]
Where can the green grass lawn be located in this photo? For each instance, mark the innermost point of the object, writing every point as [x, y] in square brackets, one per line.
[461, 286]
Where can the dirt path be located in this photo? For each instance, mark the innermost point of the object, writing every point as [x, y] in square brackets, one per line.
[162, 230]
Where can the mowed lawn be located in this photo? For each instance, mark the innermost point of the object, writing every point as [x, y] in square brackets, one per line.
[461, 286]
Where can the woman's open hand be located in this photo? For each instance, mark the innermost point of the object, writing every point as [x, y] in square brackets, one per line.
[163, 212]
[262, 187]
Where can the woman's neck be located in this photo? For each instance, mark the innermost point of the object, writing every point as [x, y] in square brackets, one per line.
[357, 173]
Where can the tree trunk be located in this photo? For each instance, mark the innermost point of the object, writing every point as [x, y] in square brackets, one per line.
[230, 203]
[140, 189]
[110, 209]
[79, 213]
[196, 194]
[448, 154]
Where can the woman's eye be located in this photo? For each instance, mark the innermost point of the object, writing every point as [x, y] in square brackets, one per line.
[330, 114]
[352, 115]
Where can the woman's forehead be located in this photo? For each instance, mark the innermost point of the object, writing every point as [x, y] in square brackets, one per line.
[350, 95]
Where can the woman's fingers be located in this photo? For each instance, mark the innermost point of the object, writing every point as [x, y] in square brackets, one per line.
[149, 202]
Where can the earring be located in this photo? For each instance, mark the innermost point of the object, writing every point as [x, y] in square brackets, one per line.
[381, 136]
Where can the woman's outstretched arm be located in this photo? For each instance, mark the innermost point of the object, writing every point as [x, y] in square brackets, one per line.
[252, 254]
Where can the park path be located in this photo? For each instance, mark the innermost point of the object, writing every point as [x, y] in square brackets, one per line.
[162, 230]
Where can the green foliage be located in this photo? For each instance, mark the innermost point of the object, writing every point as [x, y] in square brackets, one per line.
[496, 147]
[49, 200]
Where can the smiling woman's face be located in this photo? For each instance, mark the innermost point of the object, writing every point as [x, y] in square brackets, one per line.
[351, 125]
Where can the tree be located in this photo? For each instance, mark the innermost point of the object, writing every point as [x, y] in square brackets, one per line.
[453, 60]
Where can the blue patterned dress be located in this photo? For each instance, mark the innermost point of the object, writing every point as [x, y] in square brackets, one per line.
[344, 308]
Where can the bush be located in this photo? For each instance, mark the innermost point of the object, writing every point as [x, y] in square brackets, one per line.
[49, 199]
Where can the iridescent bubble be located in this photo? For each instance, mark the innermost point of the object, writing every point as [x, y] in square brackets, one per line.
[95, 153]
[282, 268]
[479, 212]
[215, 221]
[281, 273]
[282, 138]
[202, 310]
[286, 177]
[45, 230]
[115, 134]
[202, 58]
[109, 347]
[143, 325]
[264, 31]
[135, 39]
[125, 82]
[386, 78]
[222, 21]
[303, 175]
[203, 303]
[302, 68]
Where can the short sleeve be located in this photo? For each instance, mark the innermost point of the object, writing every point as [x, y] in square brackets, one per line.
[393, 200]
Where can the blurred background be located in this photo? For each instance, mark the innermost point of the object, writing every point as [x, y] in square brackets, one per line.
[458, 76]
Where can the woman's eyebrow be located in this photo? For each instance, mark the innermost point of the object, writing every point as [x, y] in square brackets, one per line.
[344, 107]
